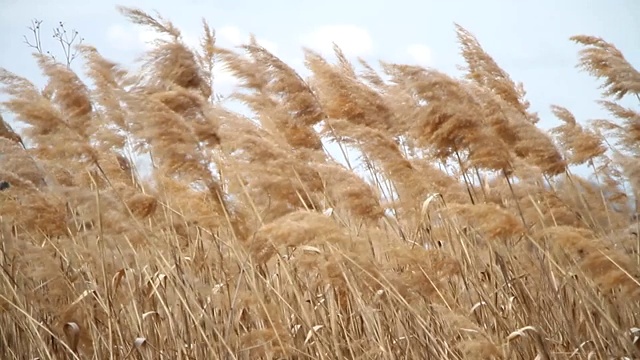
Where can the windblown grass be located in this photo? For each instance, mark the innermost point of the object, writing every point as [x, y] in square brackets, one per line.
[463, 234]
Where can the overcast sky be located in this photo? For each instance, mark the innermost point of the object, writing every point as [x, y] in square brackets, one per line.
[530, 40]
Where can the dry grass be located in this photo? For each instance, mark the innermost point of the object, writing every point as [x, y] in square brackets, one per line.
[463, 236]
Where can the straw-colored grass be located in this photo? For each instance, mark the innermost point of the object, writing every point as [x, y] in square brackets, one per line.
[462, 233]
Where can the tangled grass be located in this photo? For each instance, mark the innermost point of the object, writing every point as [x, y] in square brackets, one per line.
[462, 235]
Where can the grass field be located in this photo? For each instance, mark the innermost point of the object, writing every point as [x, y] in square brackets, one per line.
[461, 233]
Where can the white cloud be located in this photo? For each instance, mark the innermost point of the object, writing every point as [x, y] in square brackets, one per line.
[421, 54]
[129, 37]
[230, 36]
[119, 37]
[352, 39]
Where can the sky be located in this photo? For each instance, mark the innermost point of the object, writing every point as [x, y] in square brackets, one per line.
[528, 39]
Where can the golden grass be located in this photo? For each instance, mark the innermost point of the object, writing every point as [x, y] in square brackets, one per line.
[464, 235]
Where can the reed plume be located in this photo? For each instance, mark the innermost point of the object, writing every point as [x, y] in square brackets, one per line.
[603, 60]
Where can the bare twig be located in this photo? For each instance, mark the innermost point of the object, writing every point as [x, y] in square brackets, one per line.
[68, 42]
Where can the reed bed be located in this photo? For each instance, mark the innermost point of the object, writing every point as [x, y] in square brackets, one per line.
[461, 233]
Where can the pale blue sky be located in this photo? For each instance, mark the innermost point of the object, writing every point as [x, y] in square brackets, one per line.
[529, 39]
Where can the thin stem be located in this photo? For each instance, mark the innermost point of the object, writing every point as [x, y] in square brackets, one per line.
[515, 198]
[600, 187]
[464, 176]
